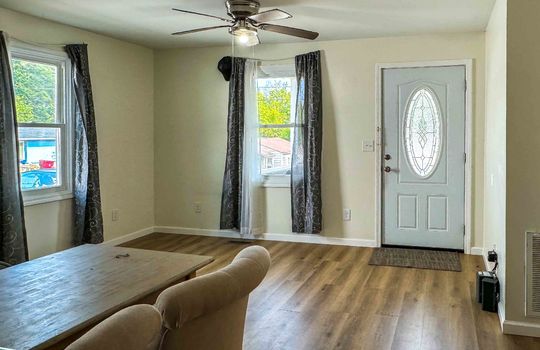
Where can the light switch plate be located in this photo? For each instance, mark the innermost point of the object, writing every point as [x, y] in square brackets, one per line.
[346, 214]
[368, 146]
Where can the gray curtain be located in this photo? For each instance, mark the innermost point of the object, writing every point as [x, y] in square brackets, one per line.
[231, 198]
[87, 211]
[13, 247]
[306, 203]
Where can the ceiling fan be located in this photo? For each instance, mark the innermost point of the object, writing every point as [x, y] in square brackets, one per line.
[246, 20]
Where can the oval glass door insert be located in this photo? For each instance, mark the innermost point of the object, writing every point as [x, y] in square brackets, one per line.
[422, 132]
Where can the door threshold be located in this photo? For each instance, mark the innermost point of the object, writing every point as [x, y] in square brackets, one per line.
[422, 248]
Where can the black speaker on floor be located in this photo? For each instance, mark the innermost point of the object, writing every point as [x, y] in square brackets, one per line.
[480, 275]
[490, 294]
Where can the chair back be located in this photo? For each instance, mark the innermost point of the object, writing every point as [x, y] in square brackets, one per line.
[209, 312]
[137, 327]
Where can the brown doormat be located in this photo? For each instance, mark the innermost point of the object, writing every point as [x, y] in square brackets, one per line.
[416, 258]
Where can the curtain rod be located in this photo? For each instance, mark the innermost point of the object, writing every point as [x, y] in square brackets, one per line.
[271, 59]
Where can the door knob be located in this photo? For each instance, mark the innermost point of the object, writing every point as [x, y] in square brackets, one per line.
[387, 157]
[387, 169]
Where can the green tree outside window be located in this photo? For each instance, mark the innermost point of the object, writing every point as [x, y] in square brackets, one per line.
[35, 91]
[274, 107]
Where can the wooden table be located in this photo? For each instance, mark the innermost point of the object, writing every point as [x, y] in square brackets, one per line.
[50, 301]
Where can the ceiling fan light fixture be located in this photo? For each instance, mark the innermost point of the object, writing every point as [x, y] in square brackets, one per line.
[246, 19]
[245, 35]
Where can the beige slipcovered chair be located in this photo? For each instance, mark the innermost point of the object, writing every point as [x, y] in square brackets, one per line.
[209, 312]
[137, 327]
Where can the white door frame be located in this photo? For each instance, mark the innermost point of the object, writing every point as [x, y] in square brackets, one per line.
[468, 64]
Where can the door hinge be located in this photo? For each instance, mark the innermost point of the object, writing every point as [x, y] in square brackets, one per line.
[465, 85]
[465, 157]
[464, 230]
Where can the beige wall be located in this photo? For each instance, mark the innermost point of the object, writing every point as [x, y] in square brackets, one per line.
[495, 139]
[177, 148]
[190, 129]
[122, 77]
[522, 156]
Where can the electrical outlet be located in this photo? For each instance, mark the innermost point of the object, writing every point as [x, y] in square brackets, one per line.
[197, 207]
[346, 214]
[115, 216]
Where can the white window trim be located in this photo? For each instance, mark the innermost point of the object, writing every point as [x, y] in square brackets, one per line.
[277, 181]
[66, 110]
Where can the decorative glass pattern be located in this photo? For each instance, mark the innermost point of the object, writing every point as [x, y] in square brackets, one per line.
[422, 132]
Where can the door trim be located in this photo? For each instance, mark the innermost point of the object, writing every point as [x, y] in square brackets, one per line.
[468, 64]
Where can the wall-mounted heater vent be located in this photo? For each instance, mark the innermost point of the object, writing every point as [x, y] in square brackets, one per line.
[532, 263]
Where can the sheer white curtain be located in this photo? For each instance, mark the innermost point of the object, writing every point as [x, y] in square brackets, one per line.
[252, 217]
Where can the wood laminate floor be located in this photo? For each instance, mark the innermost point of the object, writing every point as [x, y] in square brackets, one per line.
[328, 297]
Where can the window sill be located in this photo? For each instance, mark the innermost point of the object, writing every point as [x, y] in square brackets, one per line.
[47, 198]
[277, 181]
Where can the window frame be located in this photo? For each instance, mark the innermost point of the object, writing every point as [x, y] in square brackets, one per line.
[64, 123]
[281, 180]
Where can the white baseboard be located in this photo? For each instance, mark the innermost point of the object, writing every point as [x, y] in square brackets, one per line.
[130, 236]
[477, 251]
[298, 238]
[282, 237]
[527, 329]
[197, 231]
[318, 239]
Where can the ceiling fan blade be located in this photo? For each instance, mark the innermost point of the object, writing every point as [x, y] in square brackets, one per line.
[199, 30]
[301, 33]
[270, 15]
[204, 14]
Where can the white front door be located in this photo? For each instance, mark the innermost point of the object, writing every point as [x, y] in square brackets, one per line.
[424, 157]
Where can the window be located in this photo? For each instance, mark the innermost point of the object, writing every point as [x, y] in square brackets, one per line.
[276, 101]
[44, 106]
[423, 132]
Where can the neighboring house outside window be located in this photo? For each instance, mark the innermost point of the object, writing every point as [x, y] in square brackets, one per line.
[44, 107]
[276, 101]
[275, 155]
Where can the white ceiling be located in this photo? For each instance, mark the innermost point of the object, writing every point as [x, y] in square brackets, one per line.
[150, 22]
